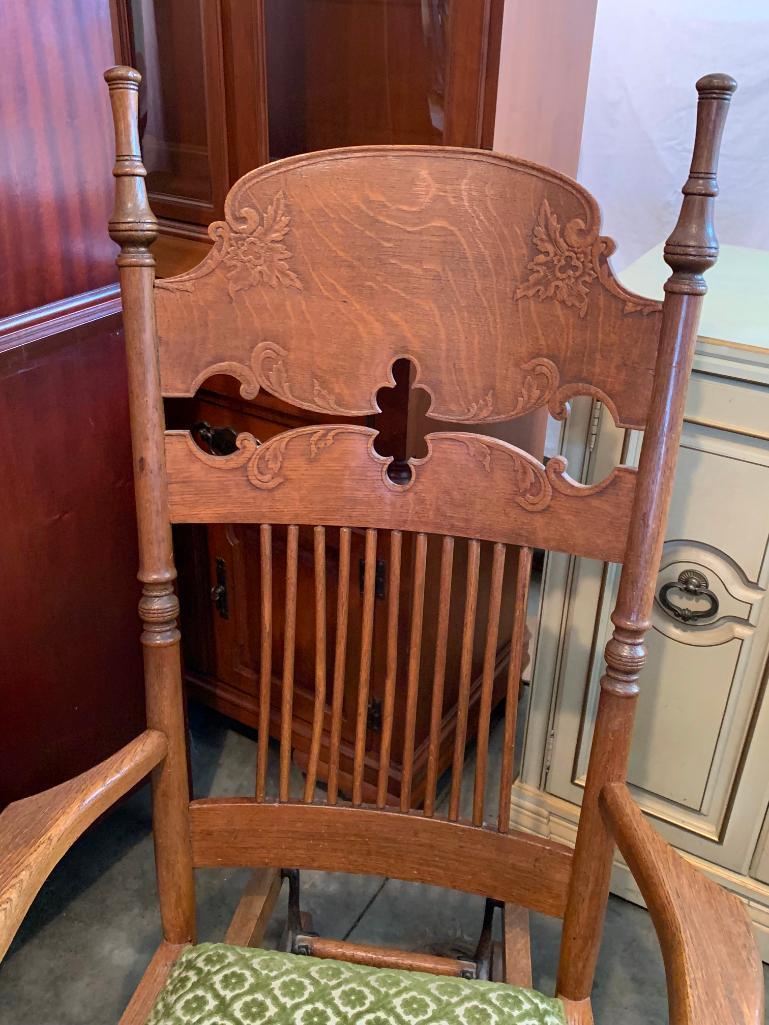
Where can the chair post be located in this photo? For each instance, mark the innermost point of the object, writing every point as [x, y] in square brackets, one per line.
[691, 249]
[134, 227]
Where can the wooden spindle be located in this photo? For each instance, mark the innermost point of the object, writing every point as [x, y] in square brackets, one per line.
[415, 658]
[134, 227]
[439, 673]
[367, 633]
[391, 668]
[265, 660]
[487, 681]
[320, 663]
[691, 249]
[289, 652]
[465, 673]
[514, 668]
[340, 662]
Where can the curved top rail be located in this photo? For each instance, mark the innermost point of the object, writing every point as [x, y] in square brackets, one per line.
[330, 266]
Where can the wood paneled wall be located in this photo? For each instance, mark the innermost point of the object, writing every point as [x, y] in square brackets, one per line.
[55, 194]
[70, 670]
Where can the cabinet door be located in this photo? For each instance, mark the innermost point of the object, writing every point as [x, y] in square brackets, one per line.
[694, 762]
[343, 73]
[177, 47]
[230, 84]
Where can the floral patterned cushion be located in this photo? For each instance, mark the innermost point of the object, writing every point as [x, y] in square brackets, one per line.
[216, 984]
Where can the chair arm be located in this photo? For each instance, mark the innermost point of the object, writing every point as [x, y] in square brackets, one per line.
[713, 969]
[37, 831]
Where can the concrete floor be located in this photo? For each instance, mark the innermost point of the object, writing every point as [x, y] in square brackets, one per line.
[92, 930]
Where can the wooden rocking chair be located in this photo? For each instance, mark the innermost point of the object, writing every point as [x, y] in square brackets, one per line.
[489, 274]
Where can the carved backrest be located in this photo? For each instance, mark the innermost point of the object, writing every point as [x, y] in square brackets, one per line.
[490, 275]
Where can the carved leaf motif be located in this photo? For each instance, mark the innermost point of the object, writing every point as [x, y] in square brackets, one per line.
[562, 270]
[532, 486]
[479, 410]
[264, 469]
[540, 382]
[267, 362]
[322, 439]
[255, 253]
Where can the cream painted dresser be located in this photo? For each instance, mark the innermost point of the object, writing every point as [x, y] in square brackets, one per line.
[700, 758]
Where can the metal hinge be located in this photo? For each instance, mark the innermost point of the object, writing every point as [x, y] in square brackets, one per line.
[219, 595]
[374, 715]
[595, 425]
[549, 752]
[380, 577]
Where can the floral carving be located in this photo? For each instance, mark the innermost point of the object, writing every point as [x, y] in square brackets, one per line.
[565, 264]
[568, 261]
[254, 252]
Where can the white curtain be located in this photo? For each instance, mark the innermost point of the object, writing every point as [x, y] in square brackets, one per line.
[639, 119]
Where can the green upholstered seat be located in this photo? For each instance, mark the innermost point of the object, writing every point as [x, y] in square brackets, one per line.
[216, 984]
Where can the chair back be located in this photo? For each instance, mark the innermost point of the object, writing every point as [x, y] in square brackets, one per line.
[490, 276]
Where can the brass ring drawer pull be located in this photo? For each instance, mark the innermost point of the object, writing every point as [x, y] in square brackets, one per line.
[693, 584]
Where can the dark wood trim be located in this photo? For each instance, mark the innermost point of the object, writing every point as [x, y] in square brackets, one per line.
[54, 318]
[245, 80]
[491, 73]
[468, 53]
[122, 31]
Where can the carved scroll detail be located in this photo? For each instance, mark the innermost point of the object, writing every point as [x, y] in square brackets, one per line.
[569, 260]
[533, 489]
[264, 469]
[480, 410]
[538, 385]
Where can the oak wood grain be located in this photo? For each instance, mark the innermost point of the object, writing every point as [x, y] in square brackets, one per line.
[714, 972]
[385, 957]
[331, 475]
[134, 227]
[252, 915]
[152, 982]
[37, 831]
[516, 945]
[327, 270]
[515, 867]
[691, 249]
[425, 263]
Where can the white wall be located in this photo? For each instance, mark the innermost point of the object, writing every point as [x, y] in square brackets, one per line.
[639, 119]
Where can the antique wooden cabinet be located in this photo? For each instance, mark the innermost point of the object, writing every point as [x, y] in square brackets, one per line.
[327, 73]
[699, 758]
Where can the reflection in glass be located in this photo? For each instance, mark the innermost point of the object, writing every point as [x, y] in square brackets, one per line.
[352, 72]
[168, 51]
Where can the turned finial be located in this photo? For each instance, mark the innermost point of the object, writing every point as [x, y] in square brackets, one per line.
[693, 247]
[132, 225]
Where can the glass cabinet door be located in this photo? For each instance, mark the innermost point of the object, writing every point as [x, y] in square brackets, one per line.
[354, 72]
[175, 46]
[230, 84]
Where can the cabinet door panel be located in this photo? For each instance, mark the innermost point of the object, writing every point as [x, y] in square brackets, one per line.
[702, 682]
[176, 44]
